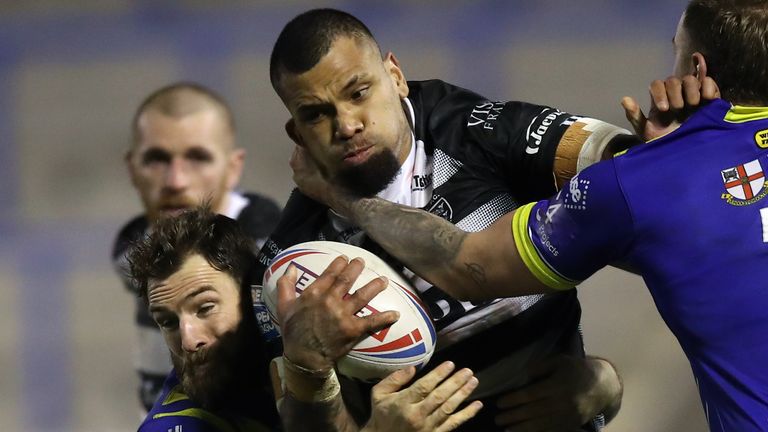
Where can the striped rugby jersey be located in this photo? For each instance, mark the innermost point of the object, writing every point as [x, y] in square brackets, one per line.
[472, 161]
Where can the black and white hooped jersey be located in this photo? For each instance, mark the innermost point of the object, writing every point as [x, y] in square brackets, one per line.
[473, 160]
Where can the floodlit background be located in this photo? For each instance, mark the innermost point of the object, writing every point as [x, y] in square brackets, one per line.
[72, 72]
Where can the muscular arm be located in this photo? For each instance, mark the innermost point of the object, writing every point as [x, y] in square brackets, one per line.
[468, 266]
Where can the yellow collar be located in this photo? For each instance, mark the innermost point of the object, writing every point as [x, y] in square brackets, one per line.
[742, 114]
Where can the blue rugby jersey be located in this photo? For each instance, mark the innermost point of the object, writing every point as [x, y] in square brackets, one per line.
[687, 212]
[174, 411]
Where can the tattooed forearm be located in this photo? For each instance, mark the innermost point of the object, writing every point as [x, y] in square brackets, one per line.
[422, 240]
[476, 272]
[425, 243]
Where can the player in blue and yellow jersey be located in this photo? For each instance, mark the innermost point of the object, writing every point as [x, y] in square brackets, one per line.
[686, 211]
[194, 272]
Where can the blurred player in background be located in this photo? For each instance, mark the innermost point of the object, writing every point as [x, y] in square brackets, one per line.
[183, 152]
[438, 147]
[193, 273]
[687, 212]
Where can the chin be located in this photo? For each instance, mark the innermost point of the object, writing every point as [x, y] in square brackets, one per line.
[371, 176]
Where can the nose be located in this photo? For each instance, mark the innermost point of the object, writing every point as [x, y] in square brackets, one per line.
[193, 335]
[176, 176]
[348, 122]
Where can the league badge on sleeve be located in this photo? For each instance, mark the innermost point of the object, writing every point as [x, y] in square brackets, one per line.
[745, 184]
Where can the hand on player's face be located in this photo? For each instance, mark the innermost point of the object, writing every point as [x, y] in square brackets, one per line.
[426, 405]
[566, 393]
[308, 177]
[320, 326]
[672, 101]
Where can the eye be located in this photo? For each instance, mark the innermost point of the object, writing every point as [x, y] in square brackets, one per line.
[155, 156]
[205, 309]
[311, 116]
[199, 155]
[167, 322]
[360, 93]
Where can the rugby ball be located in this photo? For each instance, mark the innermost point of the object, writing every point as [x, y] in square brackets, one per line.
[408, 342]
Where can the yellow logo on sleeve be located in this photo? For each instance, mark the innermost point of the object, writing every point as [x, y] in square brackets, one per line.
[761, 138]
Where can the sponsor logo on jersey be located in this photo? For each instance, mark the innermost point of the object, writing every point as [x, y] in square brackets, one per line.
[576, 198]
[485, 114]
[421, 182]
[441, 207]
[761, 138]
[745, 184]
[269, 330]
[539, 127]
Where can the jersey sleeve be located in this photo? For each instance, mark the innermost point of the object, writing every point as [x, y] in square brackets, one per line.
[536, 148]
[128, 234]
[586, 226]
[530, 150]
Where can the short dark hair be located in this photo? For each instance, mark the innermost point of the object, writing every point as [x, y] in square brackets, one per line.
[733, 37]
[217, 238]
[180, 99]
[308, 37]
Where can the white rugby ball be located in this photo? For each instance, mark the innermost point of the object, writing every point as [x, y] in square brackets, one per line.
[408, 342]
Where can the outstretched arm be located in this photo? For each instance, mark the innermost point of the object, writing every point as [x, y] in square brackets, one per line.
[468, 266]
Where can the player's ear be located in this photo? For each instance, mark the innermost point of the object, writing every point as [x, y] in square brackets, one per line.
[392, 66]
[699, 65]
[129, 166]
[235, 171]
[290, 129]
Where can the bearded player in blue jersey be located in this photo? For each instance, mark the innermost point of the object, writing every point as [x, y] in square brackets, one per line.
[686, 211]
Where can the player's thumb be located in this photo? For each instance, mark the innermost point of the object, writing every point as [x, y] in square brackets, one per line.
[634, 114]
[394, 381]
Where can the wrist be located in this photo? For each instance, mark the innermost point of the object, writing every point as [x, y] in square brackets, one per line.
[308, 359]
[342, 203]
[310, 385]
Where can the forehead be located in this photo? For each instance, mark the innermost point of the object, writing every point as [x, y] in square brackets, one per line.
[207, 127]
[347, 57]
[194, 273]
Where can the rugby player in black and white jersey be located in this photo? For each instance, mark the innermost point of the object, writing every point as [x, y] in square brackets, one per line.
[435, 146]
[183, 152]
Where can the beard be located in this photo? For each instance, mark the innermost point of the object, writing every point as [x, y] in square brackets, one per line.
[370, 177]
[218, 377]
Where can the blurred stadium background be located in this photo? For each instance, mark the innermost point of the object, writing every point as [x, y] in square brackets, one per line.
[72, 72]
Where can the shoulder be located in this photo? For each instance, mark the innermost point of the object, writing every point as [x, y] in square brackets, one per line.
[260, 216]
[300, 221]
[431, 91]
[130, 232]
[175, 411]
[174, 408]
[435, 99]
[301, 216]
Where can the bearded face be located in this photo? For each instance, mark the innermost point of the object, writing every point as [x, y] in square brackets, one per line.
[214, 375]
[208, 324]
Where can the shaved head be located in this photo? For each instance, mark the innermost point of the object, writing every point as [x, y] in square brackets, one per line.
[180, 100]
